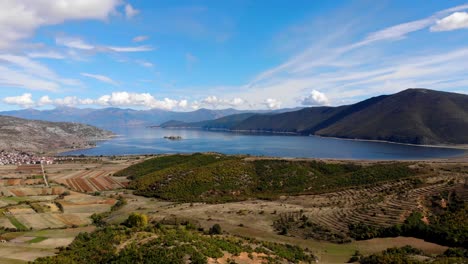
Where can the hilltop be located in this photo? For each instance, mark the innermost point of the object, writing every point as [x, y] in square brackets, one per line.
[41, 136]
[414, 116]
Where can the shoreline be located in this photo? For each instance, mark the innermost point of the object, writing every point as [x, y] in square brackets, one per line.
[459, 159]
[57, 152]
[463, 157]
[460, 146]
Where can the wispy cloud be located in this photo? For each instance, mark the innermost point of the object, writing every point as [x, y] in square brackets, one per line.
[347, 73]
[145, 63]
[80, 44]
[21, 71]
[102, 78]
[140, 38]
[130, 11]
[46, 55]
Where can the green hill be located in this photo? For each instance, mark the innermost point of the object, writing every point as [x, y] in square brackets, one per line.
[220, 178]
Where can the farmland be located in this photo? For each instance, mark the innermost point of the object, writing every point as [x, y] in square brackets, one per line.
[88, 176]
[297, 210]
[28, 206]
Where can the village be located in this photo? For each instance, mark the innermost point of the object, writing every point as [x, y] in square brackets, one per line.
[23, 158]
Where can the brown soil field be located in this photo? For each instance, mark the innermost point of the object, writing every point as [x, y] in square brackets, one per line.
[40, 221]
[5, 222]
[31, 191]
[22, 251]
[22, 209]
[75, 219]
[91, 177]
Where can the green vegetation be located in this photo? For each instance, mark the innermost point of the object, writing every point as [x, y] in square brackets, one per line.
[298, 224]
[167, 244]
[19, 226]
[393, 255]
[98, 218]
[136, 220]
[216, 230]
[446, 225]
[219, 178]
[37, 240]
[407, 254]
[121, 202]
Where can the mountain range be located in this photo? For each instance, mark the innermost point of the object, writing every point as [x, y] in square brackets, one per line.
[414, 116]
[118, 117]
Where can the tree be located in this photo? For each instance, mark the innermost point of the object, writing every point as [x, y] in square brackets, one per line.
[137, 220]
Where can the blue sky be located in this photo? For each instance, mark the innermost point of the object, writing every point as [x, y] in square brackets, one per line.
[185, 55]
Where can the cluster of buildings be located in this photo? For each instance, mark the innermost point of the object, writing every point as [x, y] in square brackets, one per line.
[22, 158]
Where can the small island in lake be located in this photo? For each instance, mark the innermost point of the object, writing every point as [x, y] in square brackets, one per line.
[173, 137]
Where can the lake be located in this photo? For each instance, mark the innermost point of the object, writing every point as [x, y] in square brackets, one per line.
[151, 141]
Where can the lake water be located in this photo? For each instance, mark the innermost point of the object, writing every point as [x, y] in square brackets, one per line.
[151, 141]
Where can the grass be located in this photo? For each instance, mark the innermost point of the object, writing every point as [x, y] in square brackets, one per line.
[37, 240]
[14, 199]
[17, 223]
[12, 261]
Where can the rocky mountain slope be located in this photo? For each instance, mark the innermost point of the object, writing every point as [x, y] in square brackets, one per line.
[41, 136]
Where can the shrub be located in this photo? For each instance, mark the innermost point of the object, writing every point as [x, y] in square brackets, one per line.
[215, 230]
[137, 220]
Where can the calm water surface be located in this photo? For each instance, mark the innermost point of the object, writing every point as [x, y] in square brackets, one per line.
[151, 141]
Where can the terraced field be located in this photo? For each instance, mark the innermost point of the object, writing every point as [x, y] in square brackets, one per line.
[26, 203]
[88, 177]
[380, 206]
[90, 181]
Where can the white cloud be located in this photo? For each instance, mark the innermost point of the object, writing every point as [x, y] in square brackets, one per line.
[272, 103]
[20, 18]
[101, 78]
[401, 30]
[24, 100]
[354, 71]
[215, 102]
[130, 49]
[116, 99]
[237, 101]
[183, 104]
[140, 38]
[46, 55]
[145, 63]
[44, 100]
[138, 99]
[20, 71]
[80, 44]
[315, 98]
[130, 11]
[457, 20]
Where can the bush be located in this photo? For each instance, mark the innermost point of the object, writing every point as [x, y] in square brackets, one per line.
[215, 230]
[137, 220]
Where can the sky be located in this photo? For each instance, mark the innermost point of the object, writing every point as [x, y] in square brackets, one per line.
[258, 54]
